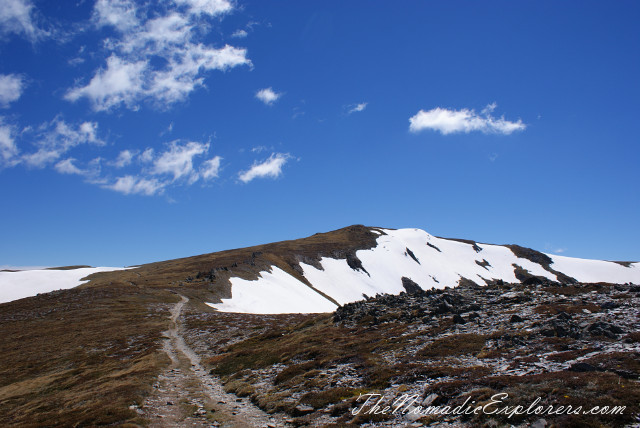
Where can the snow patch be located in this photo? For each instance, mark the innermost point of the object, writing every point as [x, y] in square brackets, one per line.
[276, 292]
[27, 283]
[388, 262]
[585, 270]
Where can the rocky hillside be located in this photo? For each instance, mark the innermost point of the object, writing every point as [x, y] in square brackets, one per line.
[570, 345]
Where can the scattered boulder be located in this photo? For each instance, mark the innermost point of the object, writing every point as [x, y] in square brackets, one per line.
[410, 286]
[609, 305]
[582, 367]
[560, 328]
[458, 319]
[516, 318]
[601, 328]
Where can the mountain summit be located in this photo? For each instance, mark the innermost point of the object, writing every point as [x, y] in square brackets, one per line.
[326, 270]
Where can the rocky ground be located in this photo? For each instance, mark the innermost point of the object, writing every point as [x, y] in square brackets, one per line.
[140, 356]
[543, 343]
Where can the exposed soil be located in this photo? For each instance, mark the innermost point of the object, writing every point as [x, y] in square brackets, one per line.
[187, 395]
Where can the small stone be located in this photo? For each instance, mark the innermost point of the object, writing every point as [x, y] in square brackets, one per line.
[458, 319]
[582, 367]
[516, 318]
[429, 399]
[540, 423]
[412, 414]
[303, 409]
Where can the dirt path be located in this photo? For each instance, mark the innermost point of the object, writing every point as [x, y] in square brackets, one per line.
[186, 395]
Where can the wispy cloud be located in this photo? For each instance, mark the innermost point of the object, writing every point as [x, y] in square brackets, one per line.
[156, 58]
[131, 185]
[173, 167]
[239, 34]
[120, 83]
[11, 86]
[271, 167]
[259, 149]
[67, 166]
[178, 160]
[124, 159]
[8, 148]
[268, 96]
[120, 14]
[207, 7]
[17, 17]
[354, 108]
[210, 168]
[147, 155]
[448, 121]
[57, 137]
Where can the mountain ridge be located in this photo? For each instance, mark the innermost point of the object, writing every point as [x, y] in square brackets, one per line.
[325, 270]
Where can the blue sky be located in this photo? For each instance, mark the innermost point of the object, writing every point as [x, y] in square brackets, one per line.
[132, 133]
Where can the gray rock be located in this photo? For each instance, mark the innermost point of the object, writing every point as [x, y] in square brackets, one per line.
[540, 423]
[429, 399]
[303, 409]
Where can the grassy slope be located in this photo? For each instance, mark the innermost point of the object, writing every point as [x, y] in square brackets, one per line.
[207, 276]
[83, 356]
[80, 357]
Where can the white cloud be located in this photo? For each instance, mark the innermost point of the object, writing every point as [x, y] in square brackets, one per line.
[16, 17]
[129, 184]
[455, 121]
[66, 166]
[11, 86]
[178, 160]
[210, 168]
[208, 7]
[57, 137]
[271, 167]
[120, 82]
[147, 155]
[353, 108]
[124, 159]
[180, 77]
[8, 148]
[268, 96]
[239, 34]
[156, 57]
[120, 14]
[91, 172]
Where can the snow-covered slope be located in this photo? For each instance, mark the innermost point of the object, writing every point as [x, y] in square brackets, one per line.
[26, 283]
[429, 261]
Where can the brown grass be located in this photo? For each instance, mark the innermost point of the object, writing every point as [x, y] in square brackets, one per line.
[207, 276]
[454, 345]
[79, 357]
[556, 308]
